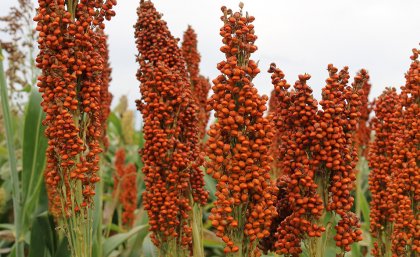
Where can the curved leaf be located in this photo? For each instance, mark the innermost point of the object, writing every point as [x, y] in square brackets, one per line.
[110, 244]
[149, 249]
[33, 161]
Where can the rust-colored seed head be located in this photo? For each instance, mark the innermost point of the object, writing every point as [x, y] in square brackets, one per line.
[316, 155]
[394, 160]
[171, 154]
[334, 149]
[295, 117]
[73, 82]
[362, 136]
[125, 185]
[105, 95]
[239, 142]
[200, 86]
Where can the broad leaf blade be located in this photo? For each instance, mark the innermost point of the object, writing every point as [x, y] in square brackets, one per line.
[34, 147]
[149, 249]
[110, 244]
[43, 236]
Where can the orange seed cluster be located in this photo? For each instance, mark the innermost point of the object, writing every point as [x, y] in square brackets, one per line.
[200, 85]
[296, 114]
[363, 132]
[125, 183]
[316, 154]
[334, 150]
[71, 59]
[171, 151]
[239, 142]
[395, 177]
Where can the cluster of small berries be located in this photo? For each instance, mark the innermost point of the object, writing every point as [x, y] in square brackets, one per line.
[395, 172]
[125, 185]
[171, 153]
[73, 62]
[238, 144]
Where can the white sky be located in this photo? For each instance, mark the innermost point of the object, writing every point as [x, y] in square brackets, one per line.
[300, 36]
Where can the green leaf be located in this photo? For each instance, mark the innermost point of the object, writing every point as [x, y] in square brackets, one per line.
[364, 206]
[116, 122]
[211, 240]
[135, 244]
[7, 226]
[110, 244]
[63, 249]
[17, 197]
[43, 237]
[149, 249]
[34, 147]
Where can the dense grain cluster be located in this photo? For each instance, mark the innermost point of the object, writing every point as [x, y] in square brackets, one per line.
[394, 160]
[105, 95]
[334, 151]
[296, 114]
[315, 153]
[380, 178]
[200, 85]
[406, 236]
[363, 130]
[273, 113]
[239, 142]
[171, 151]
[125, 186]
[72, 62]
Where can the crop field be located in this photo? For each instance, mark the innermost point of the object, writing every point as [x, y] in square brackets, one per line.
[216, 168]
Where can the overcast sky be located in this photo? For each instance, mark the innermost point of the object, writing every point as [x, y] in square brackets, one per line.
[300, 36]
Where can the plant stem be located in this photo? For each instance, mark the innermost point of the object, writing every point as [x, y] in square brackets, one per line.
[12, 160]
[197, 230]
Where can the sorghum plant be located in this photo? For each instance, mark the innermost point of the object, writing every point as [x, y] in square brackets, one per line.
[200, 85]
[363, 131]
[125, 187]
[394, 159]
[73, 62]
[335, 154]
[174, 182]
[273, 104]
[296, 116]
[105, 95]
[317, 155]
[381, 175]
[239, 142]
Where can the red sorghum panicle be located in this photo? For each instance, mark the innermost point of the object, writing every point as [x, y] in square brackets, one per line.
[70, 83]
[273, 106]
[394, 160]
[406, 236]
[105, 95]
[363, 131]
[125, 185]
[334, 150]
[171, 151]
[382, 206]
[406, 166]
[317, 155]
[200, 85]
[283, 211]
[239, 142]
[296, 117]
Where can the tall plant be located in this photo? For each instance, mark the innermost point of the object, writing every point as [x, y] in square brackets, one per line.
[73, 67]
[238, 143]
[173, 179]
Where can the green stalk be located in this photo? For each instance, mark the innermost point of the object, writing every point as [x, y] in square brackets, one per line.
[197, 231]
[12, 160]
